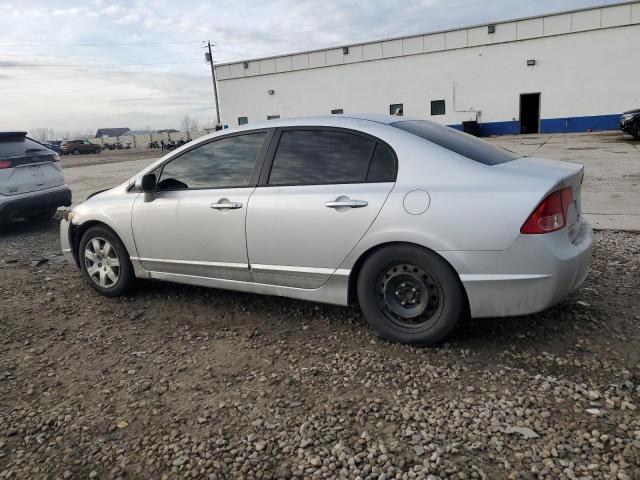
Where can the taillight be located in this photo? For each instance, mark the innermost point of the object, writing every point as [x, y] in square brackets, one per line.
[5, 163]
[551, 214]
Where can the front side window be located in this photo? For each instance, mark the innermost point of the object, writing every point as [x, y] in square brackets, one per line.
[223, 163]
[319, 157]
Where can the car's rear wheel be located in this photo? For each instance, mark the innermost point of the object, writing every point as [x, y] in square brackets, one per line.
[104, 262]
[411, 295]
[76, 151]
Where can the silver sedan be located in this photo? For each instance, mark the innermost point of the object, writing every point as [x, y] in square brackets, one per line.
[420, 224]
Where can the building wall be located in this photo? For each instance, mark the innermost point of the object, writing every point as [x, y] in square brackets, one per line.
[586, 78]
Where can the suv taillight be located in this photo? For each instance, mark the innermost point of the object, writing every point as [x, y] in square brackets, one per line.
[5, 164]
[551, 214]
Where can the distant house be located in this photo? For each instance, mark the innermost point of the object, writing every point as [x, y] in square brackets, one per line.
[111, 132]
[167, 130]
[131, 133]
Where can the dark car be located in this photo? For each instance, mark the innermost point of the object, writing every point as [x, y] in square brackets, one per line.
[77, 147]
[630, 122]
[54, 145]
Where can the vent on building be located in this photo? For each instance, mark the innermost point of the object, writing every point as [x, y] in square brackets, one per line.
[245, 65]
[491, 29]
[337, 111]
[345, 50]
[271, 92]
[531, 63]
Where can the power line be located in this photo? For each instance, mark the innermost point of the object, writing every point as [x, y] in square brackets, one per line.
[94, 44]
[91, 64]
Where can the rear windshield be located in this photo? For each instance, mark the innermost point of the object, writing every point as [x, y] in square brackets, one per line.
[461, 143]
[18, 146]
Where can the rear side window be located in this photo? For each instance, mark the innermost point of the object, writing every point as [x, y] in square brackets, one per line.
[18, 146]
[383, 165]
[318, 157]
[461, 143]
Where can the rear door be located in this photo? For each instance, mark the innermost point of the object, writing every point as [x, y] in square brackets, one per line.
[320, 190]
[27, 166]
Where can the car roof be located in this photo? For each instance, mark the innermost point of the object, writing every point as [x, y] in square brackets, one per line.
[7, 135]
[340, 120]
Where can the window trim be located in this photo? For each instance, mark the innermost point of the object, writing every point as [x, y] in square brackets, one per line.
[275, 142]
[253, 178]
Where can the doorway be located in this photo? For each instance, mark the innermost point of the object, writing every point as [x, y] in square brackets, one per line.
[529, 112]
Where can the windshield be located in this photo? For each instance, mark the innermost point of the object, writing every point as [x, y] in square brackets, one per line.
[461, 143]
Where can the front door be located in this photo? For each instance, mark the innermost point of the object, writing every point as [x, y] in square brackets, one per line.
[324, 190]
[195, 224]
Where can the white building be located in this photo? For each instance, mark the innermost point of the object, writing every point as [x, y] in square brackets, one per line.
[566, 71]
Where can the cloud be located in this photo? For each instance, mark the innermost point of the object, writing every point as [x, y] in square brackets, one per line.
[70, 94]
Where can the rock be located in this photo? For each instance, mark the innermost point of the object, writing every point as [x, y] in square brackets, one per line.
[526, 432]
[179, 461]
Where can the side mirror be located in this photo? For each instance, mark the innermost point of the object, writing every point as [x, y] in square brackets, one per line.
[147, 185]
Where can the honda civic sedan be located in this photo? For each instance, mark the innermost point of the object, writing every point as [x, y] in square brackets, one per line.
[422, 225]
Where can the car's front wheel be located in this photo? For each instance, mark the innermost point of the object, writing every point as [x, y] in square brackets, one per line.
[104, 262]
[411, 295]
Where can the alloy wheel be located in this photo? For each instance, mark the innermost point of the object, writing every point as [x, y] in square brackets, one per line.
[102, 262]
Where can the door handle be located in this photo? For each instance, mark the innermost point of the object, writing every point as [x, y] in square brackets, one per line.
[346, 203]
[226, 205]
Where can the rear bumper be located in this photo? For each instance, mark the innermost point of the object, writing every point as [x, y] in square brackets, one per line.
[537, 272]
[35, 202]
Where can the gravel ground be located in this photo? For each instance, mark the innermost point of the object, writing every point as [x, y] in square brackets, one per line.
[184, 382]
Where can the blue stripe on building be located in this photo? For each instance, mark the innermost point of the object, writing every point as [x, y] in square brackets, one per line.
[552, 125]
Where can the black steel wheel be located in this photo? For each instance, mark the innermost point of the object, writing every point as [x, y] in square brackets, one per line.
[409, 294]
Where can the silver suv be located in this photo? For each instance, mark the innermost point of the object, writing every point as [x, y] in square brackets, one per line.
[31, 179]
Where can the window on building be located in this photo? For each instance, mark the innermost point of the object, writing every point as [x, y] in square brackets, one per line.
[273, 117]
[383, 165]
[243, 120]
[437, 107]
[319, 157]
[337, 111]
[396, 109]
[227, 162]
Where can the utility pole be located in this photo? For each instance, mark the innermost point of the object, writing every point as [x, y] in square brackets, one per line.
[215, 85]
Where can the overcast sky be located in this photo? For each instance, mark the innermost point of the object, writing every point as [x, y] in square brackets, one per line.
[76, 65]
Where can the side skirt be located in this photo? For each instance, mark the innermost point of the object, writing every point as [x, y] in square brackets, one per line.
[335, 291]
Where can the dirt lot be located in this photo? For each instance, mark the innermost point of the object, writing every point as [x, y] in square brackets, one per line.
[183, 382]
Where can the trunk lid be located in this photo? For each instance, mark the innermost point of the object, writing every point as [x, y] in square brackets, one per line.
[553, 175]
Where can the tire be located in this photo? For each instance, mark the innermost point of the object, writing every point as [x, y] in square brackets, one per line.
[109, 270]
[411, 295]
[76, 152]
[636, 131]
[42, 216]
